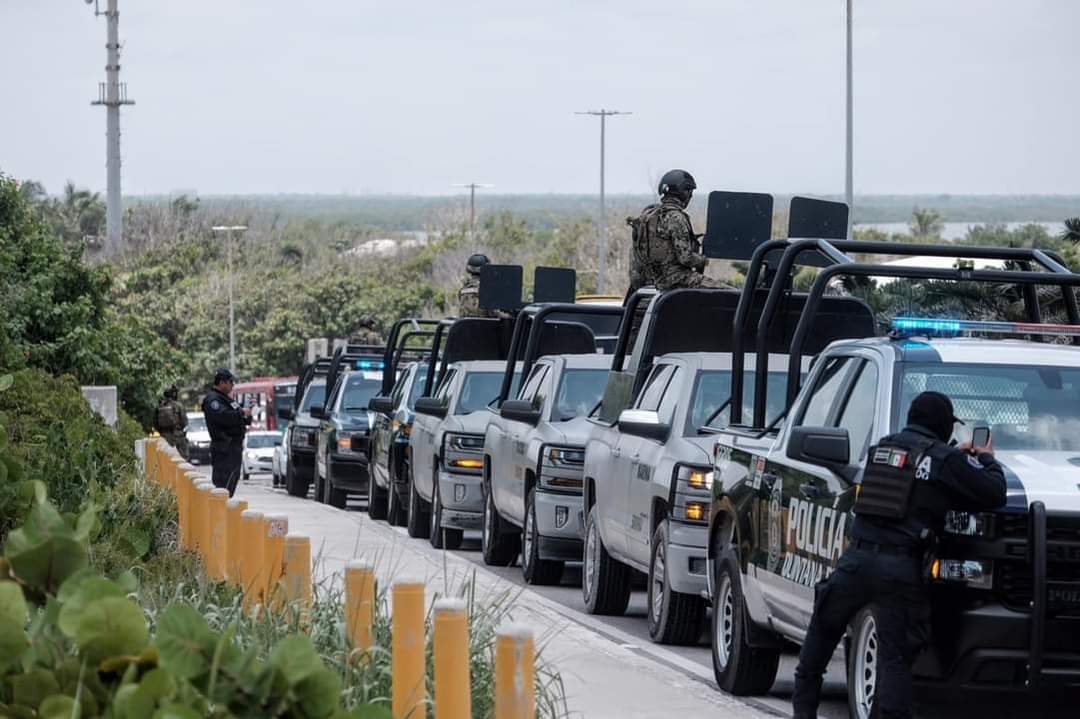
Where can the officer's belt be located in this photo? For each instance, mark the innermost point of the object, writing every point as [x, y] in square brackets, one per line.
[887, 548]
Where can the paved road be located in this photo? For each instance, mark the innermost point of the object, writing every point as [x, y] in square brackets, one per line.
[631, 632]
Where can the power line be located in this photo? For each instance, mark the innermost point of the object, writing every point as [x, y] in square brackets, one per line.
[603, 115]
[472, 202]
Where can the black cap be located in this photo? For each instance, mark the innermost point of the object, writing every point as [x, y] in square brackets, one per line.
[223, 375]
[934, 411]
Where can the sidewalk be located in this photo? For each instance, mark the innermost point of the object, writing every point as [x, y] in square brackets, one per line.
[602, 678]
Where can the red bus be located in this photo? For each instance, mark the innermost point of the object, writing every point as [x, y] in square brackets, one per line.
[265, 396]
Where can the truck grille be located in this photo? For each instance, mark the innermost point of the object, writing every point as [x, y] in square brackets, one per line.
[1014, 573]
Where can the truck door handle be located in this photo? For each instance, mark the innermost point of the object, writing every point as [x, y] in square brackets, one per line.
[616, 452]
[809, 491]
[636, 456]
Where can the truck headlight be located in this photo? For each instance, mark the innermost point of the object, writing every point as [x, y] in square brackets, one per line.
[691, 493]
[465, 442]
[350, 442]
[969, 524]
[304, 438]
[972, 572]
[565, 455]
[462, 452]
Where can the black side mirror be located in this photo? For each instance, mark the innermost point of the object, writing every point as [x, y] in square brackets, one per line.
[317, 411]
[643, 423]
[286, 413]
[431, 406]
[520, 410]
[381, 404]
[825, 446]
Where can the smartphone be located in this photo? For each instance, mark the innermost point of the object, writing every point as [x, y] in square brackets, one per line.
[980, 436]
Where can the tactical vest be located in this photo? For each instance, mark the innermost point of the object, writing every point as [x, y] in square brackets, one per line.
[892, 469]
[165, 417]
[650, 256]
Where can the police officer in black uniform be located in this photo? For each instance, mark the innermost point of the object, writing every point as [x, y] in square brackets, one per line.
[912, 478]
[227, 423]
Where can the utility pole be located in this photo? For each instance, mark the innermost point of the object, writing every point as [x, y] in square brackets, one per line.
[228, 230]
[472, 203]
[112, 94]
[849, 183]
[603, 115]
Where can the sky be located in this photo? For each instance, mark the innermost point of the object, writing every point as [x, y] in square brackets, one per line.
[412, 96]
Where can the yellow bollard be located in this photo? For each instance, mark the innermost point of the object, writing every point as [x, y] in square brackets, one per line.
[150, 463]
[233, 539]
[296, 586]
[251, 533]
[407, 650]
[277, 526]
[185, 497]
[453, 699]
[359, 604]
[200, 518]
[179, 471]
[515, 682]
[215, 563]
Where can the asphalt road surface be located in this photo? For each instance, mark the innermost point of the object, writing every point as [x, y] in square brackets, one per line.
[631, 631]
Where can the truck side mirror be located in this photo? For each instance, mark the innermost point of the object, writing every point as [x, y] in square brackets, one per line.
[431, 406]
[381, 404]
[317, 411]
[520, 410]
[825, 446]
[643, 423]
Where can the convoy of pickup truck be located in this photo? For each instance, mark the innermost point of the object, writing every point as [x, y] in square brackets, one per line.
[606, 434]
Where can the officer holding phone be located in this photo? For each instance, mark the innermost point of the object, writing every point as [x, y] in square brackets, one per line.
[912, 478]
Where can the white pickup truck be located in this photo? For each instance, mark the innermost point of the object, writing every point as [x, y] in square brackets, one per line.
[534, 450]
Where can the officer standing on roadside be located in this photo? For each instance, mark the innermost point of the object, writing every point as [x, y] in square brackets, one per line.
[912, 478]
[227, 423]
[170, 420]
[666, 253]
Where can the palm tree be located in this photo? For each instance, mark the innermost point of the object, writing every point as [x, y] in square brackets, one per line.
[926, 224]
[77, 214]
[1072, 230]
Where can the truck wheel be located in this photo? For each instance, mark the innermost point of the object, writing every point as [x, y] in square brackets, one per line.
[395, 511]
[739, 668]
[533, 568]
[498, 541]
[441, 538]
[417, 525]
[320, 487]
[605, 581]
[335, 497]
[376, 498]
[293, 485]
[674, 617]
[861, 657]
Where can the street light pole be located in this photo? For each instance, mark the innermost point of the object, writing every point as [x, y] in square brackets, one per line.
[472, 203]
[603, 115]
[228, 230]
[849, 180]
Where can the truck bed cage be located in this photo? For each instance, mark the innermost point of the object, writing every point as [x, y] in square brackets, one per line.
[319, 368]
[834, 252]
[344, 357]
[462, 340]
[400, 333]
[556, 329]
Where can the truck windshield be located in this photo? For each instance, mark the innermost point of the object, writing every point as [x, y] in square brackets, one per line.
[478, 389]
[315, 394]
[359, 388]
[579, 391]
[1026, 407]
[710, 406]
[417, 386]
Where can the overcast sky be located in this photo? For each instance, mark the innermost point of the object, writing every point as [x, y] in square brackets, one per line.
[410, 96]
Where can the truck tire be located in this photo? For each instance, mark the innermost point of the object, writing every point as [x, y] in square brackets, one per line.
[335, 497]
[395, 510]
[417, 526]
[320, 486]
[739, 668]
[674, 617]
[376, 498]
[605, 581]
[534, 569]
[441, 537]
[293, 485]
[861, 658]
[499, 543]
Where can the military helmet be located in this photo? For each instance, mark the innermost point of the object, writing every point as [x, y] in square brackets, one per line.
[367, 321]
[679, 183]
[475, 263]
[172, 392]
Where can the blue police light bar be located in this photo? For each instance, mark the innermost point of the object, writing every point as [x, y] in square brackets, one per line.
[368, 364]
[953, 328]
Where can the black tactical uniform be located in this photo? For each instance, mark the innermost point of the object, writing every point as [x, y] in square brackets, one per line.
[883, 564]
[227, 425]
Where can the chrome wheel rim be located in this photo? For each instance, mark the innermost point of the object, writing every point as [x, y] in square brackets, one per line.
[485, 534]
[527, 538]
[591, 548]
[866, 655]
[656, 606]
[725, 622]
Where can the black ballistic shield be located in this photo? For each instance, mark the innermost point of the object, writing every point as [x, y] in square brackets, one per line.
[500, 287]
[736, 223]
[554, 284]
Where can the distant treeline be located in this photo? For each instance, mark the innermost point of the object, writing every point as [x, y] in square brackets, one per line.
[413, 212]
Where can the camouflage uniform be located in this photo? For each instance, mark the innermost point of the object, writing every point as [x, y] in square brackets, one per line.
[170, 420]
[469, 298]
[666, 254]
[367, 337]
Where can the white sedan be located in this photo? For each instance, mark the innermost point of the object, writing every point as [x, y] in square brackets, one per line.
[259, 452]
[281, 458]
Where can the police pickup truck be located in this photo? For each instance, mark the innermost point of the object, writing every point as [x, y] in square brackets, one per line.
[1005, 585]
[393, 413]
[304, 430]
[534, 443]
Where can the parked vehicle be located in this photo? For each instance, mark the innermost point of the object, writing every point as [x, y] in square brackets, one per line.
[198, 437]
[258, 455]
[281, 456]
[341, 459]
[304, 438]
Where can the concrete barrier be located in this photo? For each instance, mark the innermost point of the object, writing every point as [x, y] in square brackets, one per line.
[277, 526]
[407, 650]
[200, 515]
[453, 697]
[296, 584]
[252, 531]
[215, 563]
[515, 681]
[359, 605]
[233, 540]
